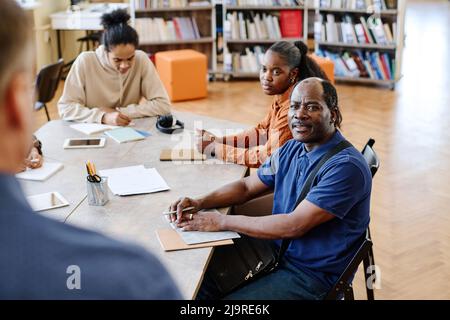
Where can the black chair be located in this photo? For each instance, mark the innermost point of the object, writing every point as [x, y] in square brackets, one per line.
[343, 287]
[46, 84]
[91, 40]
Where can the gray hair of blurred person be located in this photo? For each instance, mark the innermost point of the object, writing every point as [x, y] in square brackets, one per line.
[17, 51]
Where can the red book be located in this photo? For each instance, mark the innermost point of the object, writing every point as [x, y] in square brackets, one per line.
[291, 23]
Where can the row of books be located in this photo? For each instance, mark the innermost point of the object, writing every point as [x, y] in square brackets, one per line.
[356, 4]
[279, 3]
[249, 60]
[156, 4]
[157, 29]
[361, 64]
[248, 25]
[367, 31]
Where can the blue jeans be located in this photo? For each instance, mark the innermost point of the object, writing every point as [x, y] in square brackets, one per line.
[287, 282]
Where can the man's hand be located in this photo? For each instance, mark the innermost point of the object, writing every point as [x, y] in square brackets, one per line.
[34, 159]
[202, 221]
[204, 142]
[181, 204]
[115, 118]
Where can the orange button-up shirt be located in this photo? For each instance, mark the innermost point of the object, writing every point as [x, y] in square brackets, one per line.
[253, 146]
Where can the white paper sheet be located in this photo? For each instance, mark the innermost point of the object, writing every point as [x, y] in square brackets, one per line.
[42, 173]
[134, 180]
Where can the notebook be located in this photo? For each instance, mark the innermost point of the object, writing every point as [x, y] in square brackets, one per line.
[170, 240]
[181, 154]
[42, 173]
[125, 134]
[92, 128]
[196, 237]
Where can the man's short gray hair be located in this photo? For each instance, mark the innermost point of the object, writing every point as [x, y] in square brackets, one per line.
[15, 38]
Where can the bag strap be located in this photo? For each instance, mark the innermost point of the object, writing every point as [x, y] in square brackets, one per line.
[307, 186]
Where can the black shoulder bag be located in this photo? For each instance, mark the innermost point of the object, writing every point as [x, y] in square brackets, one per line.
[234, 266]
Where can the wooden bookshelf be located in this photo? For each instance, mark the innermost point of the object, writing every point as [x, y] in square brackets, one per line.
[381, 12]
[204, 40]
[237, 45]
[390, 53]
[357, 45]
[177, 42]
[190, 8]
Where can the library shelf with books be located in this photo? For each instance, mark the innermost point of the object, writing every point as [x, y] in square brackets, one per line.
[364, 38]
[252, 26]
[176, 24]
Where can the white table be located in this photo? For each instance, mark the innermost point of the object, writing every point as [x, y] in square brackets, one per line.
[136, 218]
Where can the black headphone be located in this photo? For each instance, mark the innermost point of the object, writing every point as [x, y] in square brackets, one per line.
[168, 124]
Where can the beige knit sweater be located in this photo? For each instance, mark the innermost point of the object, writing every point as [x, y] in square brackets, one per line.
[93, 83]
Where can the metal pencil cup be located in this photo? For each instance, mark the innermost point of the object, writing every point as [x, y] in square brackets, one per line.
[97, 192]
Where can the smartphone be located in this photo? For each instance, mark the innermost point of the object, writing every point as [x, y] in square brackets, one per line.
[47, 201]
[76, 143]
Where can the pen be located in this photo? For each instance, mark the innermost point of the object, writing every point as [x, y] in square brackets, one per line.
[174, 212]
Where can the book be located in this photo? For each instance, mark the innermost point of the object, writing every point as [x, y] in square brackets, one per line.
[125, 134]
[92, 128]
[40, 174]
[291, 23]
[181, 154]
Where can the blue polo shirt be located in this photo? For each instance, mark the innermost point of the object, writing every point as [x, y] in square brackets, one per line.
[37, 256]
[341, 187]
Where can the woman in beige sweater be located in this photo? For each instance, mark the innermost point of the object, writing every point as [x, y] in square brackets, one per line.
[116, 82]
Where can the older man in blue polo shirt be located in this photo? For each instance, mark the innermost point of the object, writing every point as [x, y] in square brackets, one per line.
[325, 228]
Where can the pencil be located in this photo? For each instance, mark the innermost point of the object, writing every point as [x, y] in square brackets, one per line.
[174, 212]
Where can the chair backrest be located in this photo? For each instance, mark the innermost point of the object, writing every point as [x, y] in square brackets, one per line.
[47, 81]
[371, 157]
[342, 287]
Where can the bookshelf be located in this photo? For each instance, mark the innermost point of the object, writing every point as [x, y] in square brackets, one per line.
[176, 24]
[364, 38]
[251, 26]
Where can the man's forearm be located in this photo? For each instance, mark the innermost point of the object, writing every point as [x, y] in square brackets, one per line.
[277, 226]
[230, 194]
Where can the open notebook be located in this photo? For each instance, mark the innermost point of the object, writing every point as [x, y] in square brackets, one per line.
[177, 239]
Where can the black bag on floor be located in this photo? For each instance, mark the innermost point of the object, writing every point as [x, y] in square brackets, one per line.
[234, 266]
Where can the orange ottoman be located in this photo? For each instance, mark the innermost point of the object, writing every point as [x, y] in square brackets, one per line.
[327, 66]
[183, 73]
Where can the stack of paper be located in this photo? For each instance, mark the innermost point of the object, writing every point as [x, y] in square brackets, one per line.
[92, 128]
[134, 180]
[124, 134]
[42, 173]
